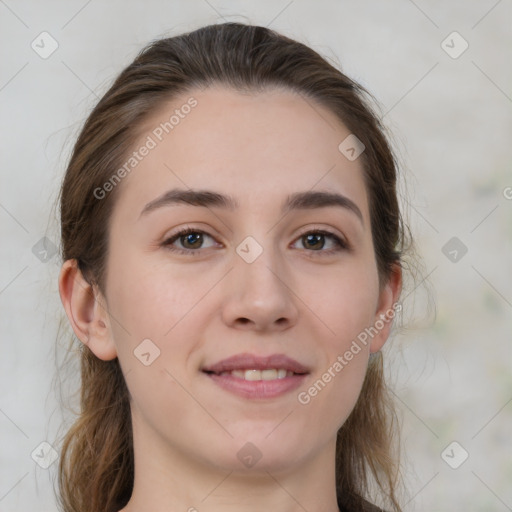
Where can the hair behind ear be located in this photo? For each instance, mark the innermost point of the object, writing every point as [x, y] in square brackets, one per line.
[106, 476]
[360, 445]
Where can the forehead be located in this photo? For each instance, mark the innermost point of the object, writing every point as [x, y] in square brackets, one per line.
[255, 146]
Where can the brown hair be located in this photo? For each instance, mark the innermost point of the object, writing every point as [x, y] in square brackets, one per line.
[97, 466]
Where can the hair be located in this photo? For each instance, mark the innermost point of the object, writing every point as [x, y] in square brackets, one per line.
[96, 470]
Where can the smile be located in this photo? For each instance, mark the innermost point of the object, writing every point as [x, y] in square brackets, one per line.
[257, 377]
[254, 375]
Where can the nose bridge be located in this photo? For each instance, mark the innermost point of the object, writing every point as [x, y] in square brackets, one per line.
[259, 293]
[258, 264]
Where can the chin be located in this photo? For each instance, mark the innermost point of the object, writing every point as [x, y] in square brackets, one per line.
[258, 451]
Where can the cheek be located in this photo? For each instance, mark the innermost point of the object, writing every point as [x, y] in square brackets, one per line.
[157, 321]
[151, 301]
[155, 390]
[333, 391]
[346, 301]
[346, 304]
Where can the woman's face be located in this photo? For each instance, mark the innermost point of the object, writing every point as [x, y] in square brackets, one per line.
[274, 276]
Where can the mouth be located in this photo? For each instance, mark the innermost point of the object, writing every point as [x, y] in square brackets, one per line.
[257, 377]
[254, 374]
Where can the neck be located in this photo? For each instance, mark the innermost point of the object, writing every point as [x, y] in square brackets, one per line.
[166, 480]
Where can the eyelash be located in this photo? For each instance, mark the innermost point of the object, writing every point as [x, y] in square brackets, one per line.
[340, 245]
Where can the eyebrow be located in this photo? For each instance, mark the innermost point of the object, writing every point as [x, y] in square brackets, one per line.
[298, 201]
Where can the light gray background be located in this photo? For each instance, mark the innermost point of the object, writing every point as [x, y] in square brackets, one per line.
[451, 120]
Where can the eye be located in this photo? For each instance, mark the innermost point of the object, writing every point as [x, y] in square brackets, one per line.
[315, 241]
[191, 241]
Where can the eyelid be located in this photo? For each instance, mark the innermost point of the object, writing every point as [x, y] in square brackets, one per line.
[339, 240]
[316, 228]
[169, 240]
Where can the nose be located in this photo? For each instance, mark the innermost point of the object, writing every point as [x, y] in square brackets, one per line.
[259, 295]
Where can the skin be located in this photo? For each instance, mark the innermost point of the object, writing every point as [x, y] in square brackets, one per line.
[199, 309]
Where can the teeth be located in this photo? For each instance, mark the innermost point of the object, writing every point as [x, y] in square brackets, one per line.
[252, 375]
[269, 374]
[281, 374]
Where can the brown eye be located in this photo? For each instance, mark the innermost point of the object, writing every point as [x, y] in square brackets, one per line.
[317, 240]
[314, 241]
[190, 241]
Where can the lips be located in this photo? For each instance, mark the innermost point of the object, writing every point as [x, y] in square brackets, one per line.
[252, 362]
[257, 377]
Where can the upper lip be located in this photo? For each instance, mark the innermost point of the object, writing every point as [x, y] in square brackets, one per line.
[252, 362]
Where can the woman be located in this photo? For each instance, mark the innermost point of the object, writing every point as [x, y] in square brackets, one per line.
[232, 248]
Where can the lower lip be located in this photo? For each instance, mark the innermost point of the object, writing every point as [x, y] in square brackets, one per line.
[257, 389]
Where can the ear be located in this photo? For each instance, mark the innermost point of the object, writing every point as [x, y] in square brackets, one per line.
[387, 308]
[86, 311]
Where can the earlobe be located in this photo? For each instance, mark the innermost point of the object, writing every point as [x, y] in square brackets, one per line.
[86, 312]
[387, 308]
